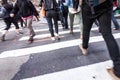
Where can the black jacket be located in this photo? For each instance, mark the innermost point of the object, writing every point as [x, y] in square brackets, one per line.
[24, 10]
[8, 7]
[49, 4]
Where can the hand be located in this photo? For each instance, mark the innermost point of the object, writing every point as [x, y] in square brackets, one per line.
[11, 15]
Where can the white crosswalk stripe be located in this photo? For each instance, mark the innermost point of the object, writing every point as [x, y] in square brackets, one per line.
[49, 47]
[93, 72]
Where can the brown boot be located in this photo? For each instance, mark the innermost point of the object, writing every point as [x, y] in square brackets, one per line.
[30, 40]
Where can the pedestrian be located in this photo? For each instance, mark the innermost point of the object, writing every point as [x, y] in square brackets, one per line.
[8, 20]
[101, 11]
[26, 10]
[50, 7]
[115, 22]
[74, 10]
[64, 11]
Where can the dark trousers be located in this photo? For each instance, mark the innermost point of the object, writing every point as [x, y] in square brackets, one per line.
[8, 22]
[52, 15]
[65, 16]
[104, 20]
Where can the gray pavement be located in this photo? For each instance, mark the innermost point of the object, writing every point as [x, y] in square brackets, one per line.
[45, 58]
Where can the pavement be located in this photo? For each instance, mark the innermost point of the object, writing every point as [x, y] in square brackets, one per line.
[45, 59]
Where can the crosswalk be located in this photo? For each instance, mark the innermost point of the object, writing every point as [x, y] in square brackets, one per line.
[95, 71]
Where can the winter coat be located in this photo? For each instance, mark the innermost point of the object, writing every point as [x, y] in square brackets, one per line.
[24, 8]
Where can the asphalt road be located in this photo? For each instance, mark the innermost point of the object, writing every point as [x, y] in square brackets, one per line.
[45, 59]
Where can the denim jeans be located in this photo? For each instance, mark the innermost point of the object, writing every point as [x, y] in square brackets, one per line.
[115, 22]
[105, 25]
[52, 15]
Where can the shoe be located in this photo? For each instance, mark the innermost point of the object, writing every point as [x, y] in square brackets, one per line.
[116, 28]
[111, 72]
[3, 38]
[84, 51]
[53, 38]
[19, 33]
[30, 40]
[57, 36]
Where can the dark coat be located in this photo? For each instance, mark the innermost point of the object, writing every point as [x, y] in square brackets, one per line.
[49, 4]
[24, 8]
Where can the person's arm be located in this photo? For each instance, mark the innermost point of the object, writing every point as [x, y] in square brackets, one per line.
[14, 10]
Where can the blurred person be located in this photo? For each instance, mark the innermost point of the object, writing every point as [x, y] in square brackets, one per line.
[8, 20]
[26, 10]
[64, 10]
[102, 11]
[50, 7]
[114, 20]
[75, 10]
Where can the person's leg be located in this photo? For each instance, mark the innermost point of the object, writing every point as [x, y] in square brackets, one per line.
[56, 25]
[87, 24]
[105, 23]
[30, 28]
[79, 17]
[71, 17]
[50, 25]
[8, 23]
[65, 14]
[16, 26]
[117, 26]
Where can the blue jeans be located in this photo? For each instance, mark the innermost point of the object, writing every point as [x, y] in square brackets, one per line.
[117, 26]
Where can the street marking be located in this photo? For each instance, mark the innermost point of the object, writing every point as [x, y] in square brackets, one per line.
[95, 71]
[48, 34]
[50, 47]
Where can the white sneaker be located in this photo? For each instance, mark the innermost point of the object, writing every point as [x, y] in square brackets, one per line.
[57, 36]
[84, 51]
[53, 38]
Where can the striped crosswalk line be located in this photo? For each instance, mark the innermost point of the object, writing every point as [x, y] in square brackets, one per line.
[90, 72]
[95, 71]
[50, 47]
[48, 35]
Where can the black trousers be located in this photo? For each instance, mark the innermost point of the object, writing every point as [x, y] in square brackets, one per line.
[104, 20]
[8, 21]
[51, 17]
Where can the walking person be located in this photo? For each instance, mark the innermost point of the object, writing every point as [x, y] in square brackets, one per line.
[8, 20]
[64, 12]
[26, 10]
[115, 22]
[74, 10]
[50, 7]
[102, 11]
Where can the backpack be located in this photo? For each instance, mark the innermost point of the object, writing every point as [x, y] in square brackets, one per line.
[3, 12]
[118, 4]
